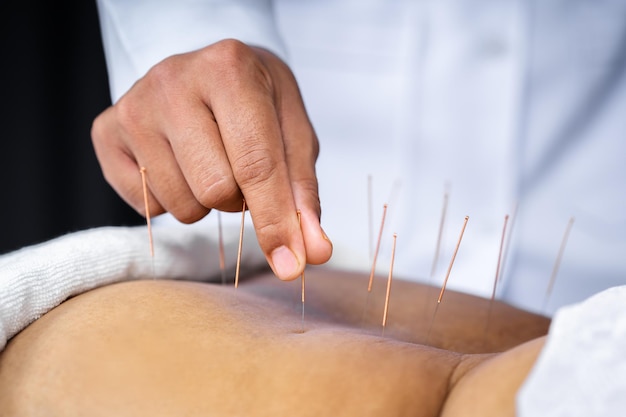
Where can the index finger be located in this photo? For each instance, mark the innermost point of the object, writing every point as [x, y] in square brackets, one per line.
[250, 130]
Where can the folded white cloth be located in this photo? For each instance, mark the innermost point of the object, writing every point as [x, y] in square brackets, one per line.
[35, 279]
[581, 371]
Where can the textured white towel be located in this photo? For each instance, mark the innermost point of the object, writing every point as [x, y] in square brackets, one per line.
[35, 279]
[581, 371]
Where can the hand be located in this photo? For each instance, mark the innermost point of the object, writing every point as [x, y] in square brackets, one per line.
[213, 127]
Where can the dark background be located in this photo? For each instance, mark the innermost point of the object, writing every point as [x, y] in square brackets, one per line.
[54, 83]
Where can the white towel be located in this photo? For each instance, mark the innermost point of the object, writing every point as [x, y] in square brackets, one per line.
[581, 371]
[35, 279]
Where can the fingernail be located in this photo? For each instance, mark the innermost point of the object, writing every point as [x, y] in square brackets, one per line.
[285, 262]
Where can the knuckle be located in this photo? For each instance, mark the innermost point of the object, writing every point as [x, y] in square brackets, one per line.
[103, 134]
[127, 115]
[268, 231]
[160, 86]
[141, 209]
[309, 186]
[315, 148]
[231, 50]
[234, 62]
[313, 145]
[134, 198]
[303, 147]
[229, 53]
[109, 177]
[254, 167]
[97, 129]
[166, 72]
[188, 213]
[218, 191]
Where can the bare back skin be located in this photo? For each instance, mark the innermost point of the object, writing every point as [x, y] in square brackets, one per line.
[173, 348]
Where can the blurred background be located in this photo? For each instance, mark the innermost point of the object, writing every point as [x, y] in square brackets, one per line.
[54, 83]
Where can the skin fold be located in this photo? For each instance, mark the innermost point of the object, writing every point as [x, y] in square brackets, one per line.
[171, 348]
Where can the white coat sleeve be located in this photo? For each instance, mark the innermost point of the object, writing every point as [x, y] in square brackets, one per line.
[137, 34]
[581, 369]
[35, 279]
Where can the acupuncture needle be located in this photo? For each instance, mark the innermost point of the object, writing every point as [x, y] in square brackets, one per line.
[442, 222]
[142, 170]
[496, 279]
[221, 247]
[557, 262]
[433, 267]
[380, 234]
[373, 270]
[370, 226]
[445, 282]
[302, 277]
[389, 278]
[507, 244]
[243, 218]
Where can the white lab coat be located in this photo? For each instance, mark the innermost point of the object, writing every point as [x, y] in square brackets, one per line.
[514, 107]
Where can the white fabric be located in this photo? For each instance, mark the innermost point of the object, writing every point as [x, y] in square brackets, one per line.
[516, 106]
[36, 279]
[581, 371]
